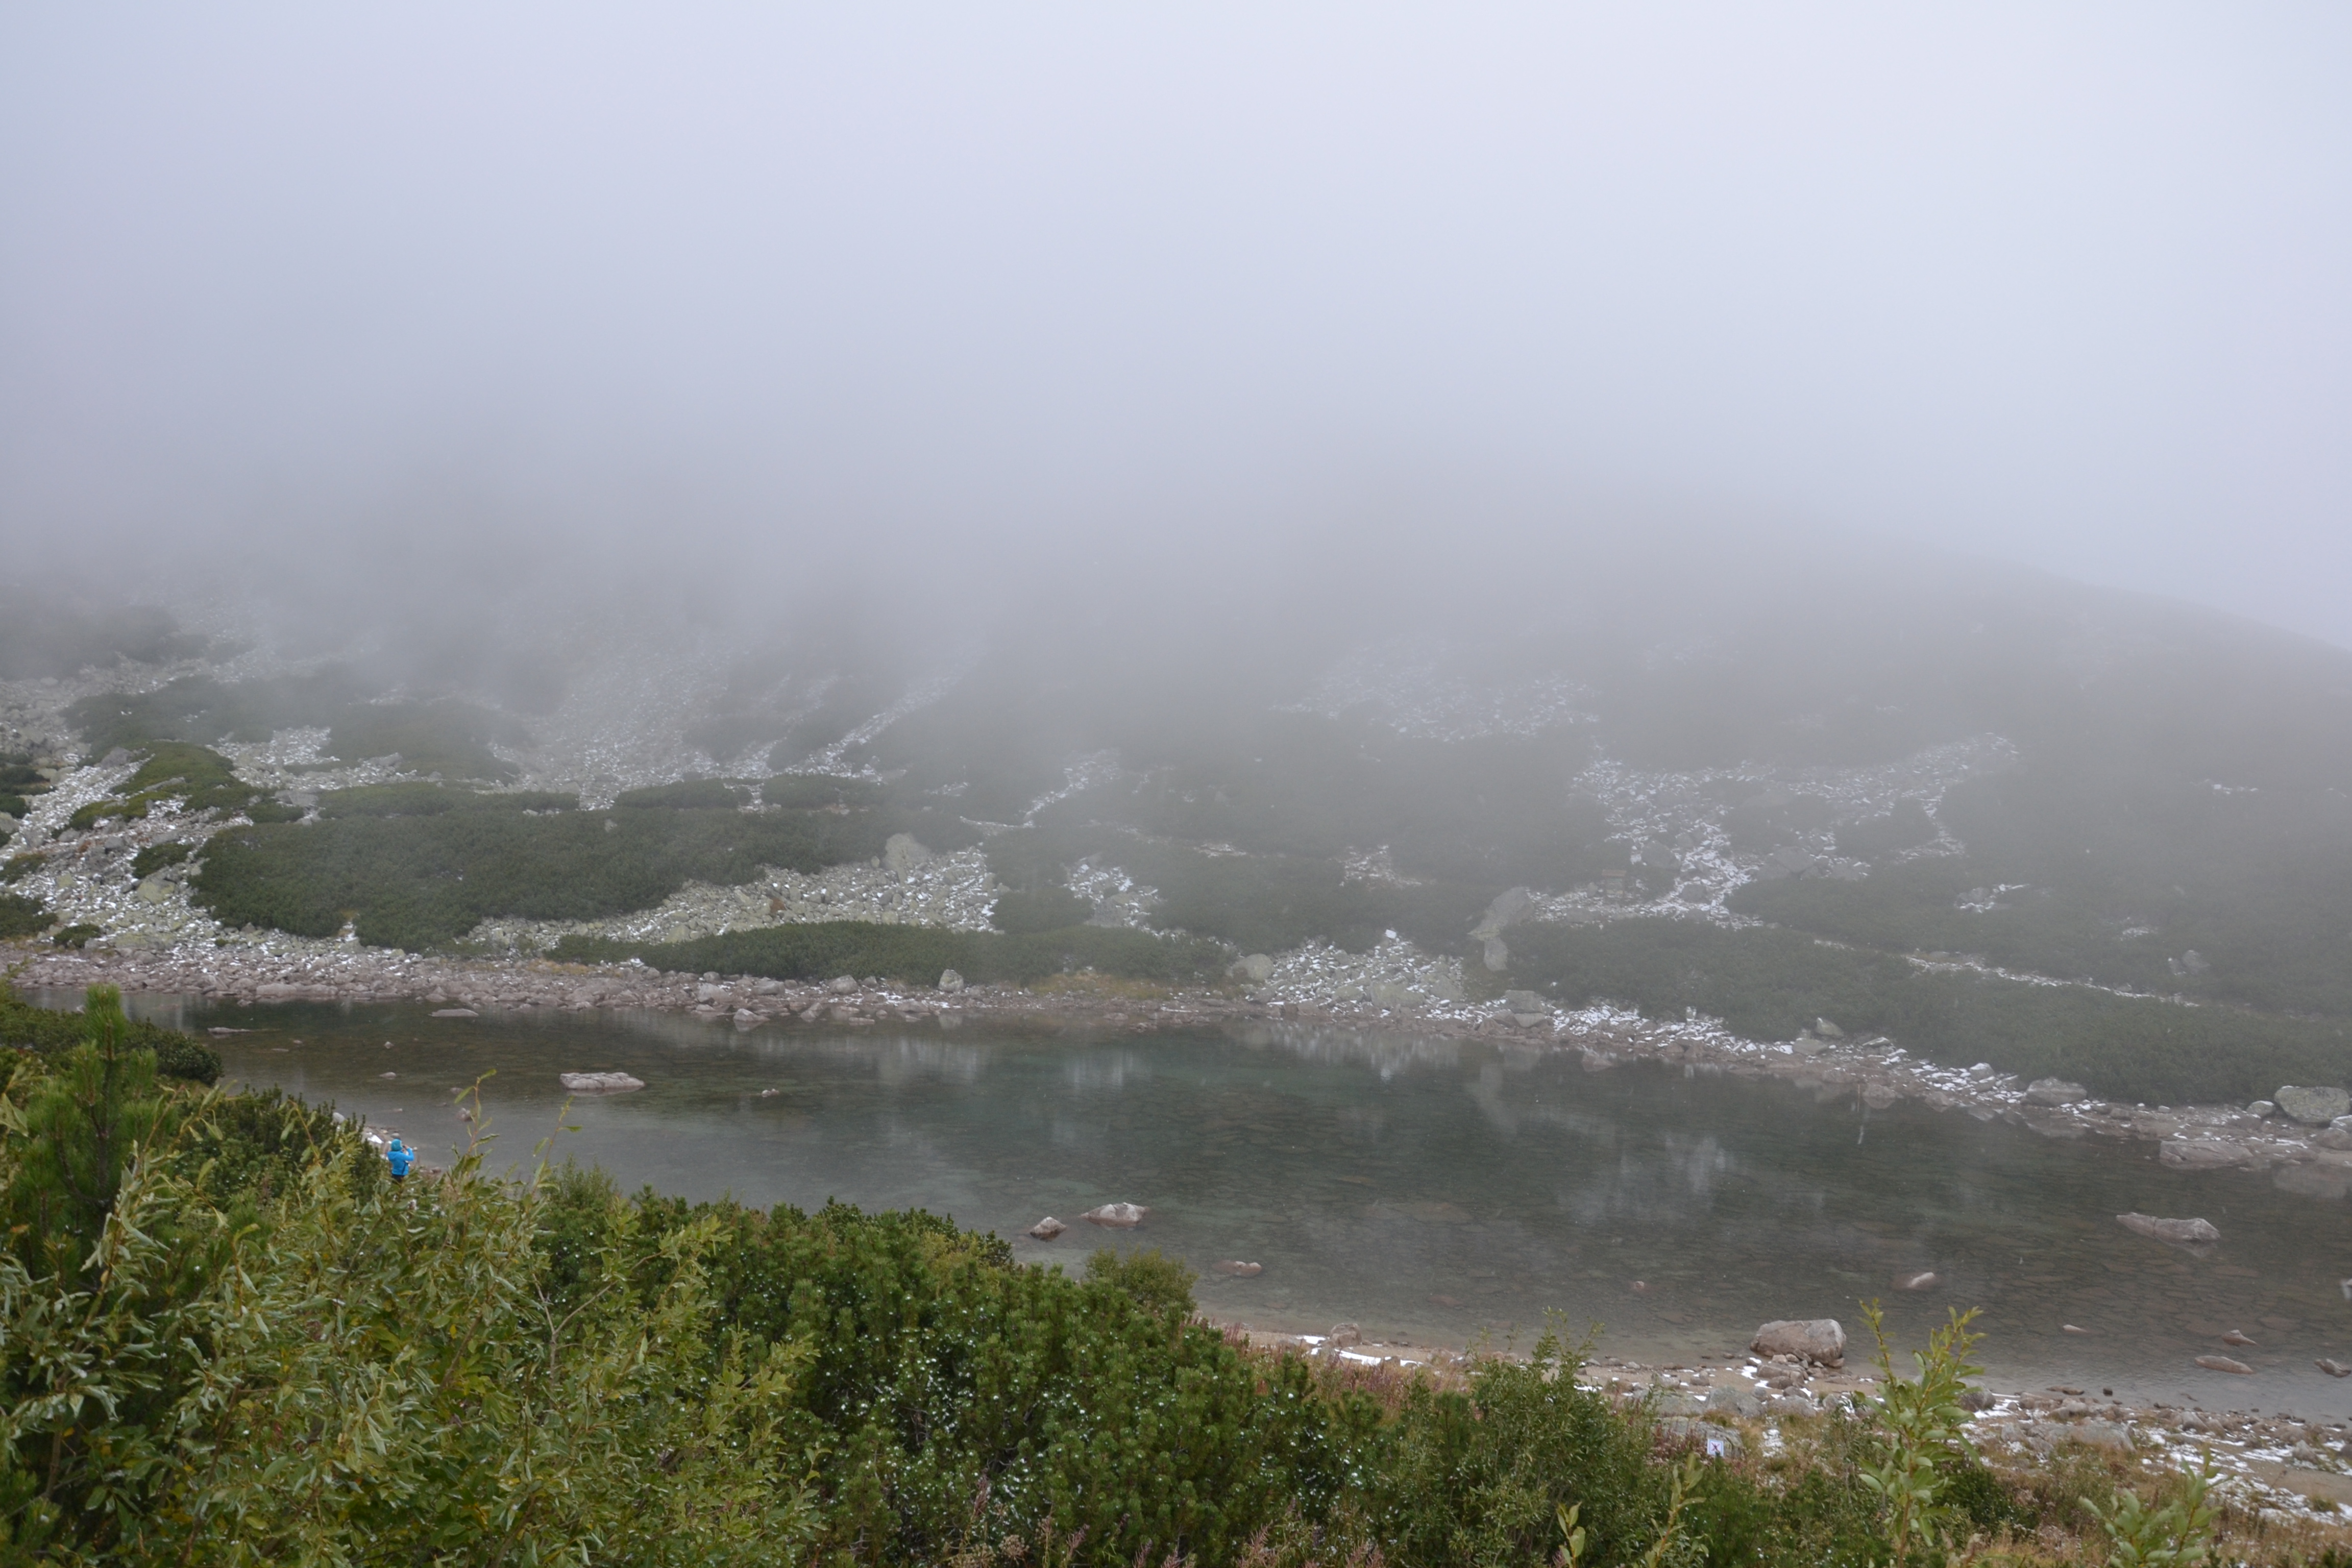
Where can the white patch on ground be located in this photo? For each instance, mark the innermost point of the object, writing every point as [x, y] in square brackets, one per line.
[1404, 685]
[1374, 868]
[1395, 975]
[1095, 768]
[1118, 899]
[952, 891]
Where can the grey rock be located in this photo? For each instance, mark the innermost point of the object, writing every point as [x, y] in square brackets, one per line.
[154, 890]
[708, 993]
[1827, 1030]
[1118, 1216]
[950, 982]
[2225, 1364]
[902, 853]
[1496, 955]
[1680, 1403]
[1704, 1436]
[1046, 1229]
[1508, 908]
[2313, 1107]
[1258, 967]
[2055, 1091]
[1734, 1401]
[600, 1082]
[2201, 1154]
[2113, 1435]
[2180, 1232]
[1525, 1002]
[1343, 1335]
[114, 758]
[2194, 962]
[842, 984]
[1818, 1340]
[2261, 1108]
[454, 1013]
[2337, 1134]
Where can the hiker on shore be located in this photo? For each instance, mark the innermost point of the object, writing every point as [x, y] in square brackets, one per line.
[400, 1156]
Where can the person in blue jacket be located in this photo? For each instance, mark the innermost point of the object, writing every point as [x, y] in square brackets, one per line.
[400, 1157]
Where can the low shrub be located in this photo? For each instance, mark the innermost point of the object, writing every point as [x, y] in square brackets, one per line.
[692, 795]
[154, 858]
[44, 1031]
[196, 775]
[21, 916]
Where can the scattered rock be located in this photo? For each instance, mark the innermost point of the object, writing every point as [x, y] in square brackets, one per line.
[2261, 1108]
[1257, 967]
[1927, 1281]
[1049, 1228]
[2180, 1232]
[2236, 1338]
[1507, 910]
[599, 1082]
[842, 984]
[1818, 1340]
[2333, 1368]
[1496, 955]
[2071, 1329]
[2102, 1435]
[2337, 1134]
[2201, 1154]
[1118, 1217]
[1238, 1270]
[1827, 1030]
[1525, 1002]
[1343, 1335]
[2223, 1364]
[902, 853]
[454, 1013]
[2055, 1091]
[1716, 1442]
[387, 1075]
[950, 982]
[2313, 1107]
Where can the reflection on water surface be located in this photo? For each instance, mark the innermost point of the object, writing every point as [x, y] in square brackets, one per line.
[1432, 1189]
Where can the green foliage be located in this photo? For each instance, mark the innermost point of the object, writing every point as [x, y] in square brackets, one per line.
[19, 867]
[155, 856]
[47, 1032]
[1156, 1283]
[79, 934]
[13, 805]
[418, 798]
[196, 775]
[690, 794]
[21, 916]
[1767, 982]
[2178, 1534]
[1923, 1427]
[449, 738]
[916, 955]
[817, 792]
[83, 1125]
[1023, 912]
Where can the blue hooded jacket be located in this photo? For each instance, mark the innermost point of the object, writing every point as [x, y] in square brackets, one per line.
[400, 1157]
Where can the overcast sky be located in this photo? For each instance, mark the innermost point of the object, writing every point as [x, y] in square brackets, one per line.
[2066, 285]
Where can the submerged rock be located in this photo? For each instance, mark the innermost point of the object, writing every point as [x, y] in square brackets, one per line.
[1118, 1217]
[2055, 1091]
[2223, 1364]
[1238, 1270]
[1818, 1340]
[454, 1013]
[2181, 1232]
[1046, 1229]
[600, 1082]
[1923, 1282]
[2201, 1154]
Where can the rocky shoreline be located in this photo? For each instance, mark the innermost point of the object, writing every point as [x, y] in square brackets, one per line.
[2275, 1465]
[2301, 1156]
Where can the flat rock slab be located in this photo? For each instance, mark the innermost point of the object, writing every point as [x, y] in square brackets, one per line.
[2313, 1107]
[454, 1013]
[1118, 1217]
[2201, 1154]
[600, 1082]
[2180, 1232]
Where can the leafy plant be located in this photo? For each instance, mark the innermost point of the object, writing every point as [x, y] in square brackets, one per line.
[1922, 1422]
[2177, 1535]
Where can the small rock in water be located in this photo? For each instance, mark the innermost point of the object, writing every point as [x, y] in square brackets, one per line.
[2223, 1364]
[454, 1013]
[2181, 1232]
[2333, 1368]
[2072, 1329]
[1641, 1287]
[1046, 1229]
[1119, 1216]
[599, 1082]
[1927, 1281]
[1818, 1340]
[1239, 1270]
[387, 1075]
[2235, 1337]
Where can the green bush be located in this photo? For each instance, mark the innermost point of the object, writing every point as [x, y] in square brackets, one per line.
[418, 798]
[449, 738]
[44, 1031]
[1045, 909]
[79, 934]
[916, 955]
[692, 795]
[816, 792]
[21, 916]
[196, 775]
[156, 857]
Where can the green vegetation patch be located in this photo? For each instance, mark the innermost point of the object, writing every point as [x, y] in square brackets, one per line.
[692, 795]
[1768, 984]
[418, 866]
[44, 1031]
[448, 737]
[175, 770]
[156, 857]
[813, 791]
[916, 955]
[21, 916]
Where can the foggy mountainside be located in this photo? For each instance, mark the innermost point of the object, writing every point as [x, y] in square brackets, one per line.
[1992, 817]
